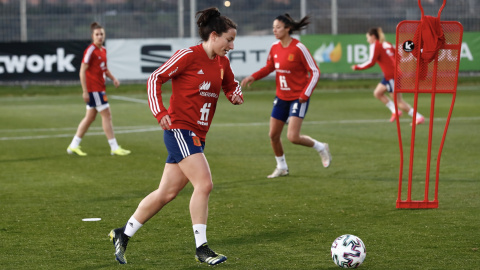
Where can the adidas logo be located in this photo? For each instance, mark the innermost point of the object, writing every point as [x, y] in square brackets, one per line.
[200, 72]
[196, 232]
[131, 224]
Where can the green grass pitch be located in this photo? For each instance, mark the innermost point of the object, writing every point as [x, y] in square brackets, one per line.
[259, 223]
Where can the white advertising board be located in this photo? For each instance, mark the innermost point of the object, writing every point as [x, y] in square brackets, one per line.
[136, 59]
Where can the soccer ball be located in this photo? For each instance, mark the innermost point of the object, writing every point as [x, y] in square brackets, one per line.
[348, 251]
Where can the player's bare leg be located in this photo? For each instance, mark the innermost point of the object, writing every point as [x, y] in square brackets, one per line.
[197, 170]
[172, 182]
[276, 128]
[90, 116]
[74, 147]
[107, 123]
[294, 136]
[379, 93]
[108, 129]
[404, 106]
[293, 132]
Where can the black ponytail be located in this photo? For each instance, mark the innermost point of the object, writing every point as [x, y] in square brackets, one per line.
[292, 24]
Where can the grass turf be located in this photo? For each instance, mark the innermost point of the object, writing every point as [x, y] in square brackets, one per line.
[285, 223]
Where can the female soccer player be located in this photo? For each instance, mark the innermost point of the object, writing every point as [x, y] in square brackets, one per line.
[197, 73]
[383, 52]
[92, 77]
[296, 77]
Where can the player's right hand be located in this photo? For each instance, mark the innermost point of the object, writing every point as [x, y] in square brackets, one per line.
[165, 123]
[86, 97]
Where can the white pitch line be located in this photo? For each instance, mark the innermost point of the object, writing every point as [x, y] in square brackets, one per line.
[141, 129]
[71, 134]
[30, 130]
[136, 100]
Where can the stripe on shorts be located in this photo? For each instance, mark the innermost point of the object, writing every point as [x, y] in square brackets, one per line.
[182, 144]
[303, 108]
[96, 97]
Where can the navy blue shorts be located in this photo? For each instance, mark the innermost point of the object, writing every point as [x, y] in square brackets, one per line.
[282, 109]
[181, 143]
[98, 100]
[390, 84]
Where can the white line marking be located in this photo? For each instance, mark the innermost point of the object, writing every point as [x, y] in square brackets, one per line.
[141, 129]
[136, 100]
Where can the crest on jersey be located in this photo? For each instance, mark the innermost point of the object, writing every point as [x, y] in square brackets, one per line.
[221, 73]
[291, 57]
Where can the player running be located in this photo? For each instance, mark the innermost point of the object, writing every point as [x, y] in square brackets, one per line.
[92, 77]
[297, 75]
[383, 53]
[197, 73]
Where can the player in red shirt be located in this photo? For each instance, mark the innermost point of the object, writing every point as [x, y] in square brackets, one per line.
[383, 53]
[297, 75]
[198, 74]
[92, 77]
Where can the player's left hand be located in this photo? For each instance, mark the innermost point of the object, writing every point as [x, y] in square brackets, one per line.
[236, 99]
[301, 100]
[116, 83]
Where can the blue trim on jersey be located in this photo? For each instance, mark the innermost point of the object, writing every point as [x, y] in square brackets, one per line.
[180, 144]
[390, 84]
[282, 109]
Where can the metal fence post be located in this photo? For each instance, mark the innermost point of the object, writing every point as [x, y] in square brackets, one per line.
[334, 17]
[23, 21]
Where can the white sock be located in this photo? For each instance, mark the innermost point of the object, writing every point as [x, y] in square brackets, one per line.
[113, 144]
[132, 226]
[281, 162]
[411, 113]
[318, 145]
[200, 232]
[75, 142]
[391, 106]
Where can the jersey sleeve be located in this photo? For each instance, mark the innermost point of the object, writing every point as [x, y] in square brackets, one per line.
[230, 85]
[312, 68]
[105, 50]
[87, 55]
[267, 69]
[372, 59]
[173, 67]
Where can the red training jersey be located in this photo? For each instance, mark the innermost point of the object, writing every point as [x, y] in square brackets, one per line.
[297, 73]
[96, 59]
[382, 53]
[196, 83]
